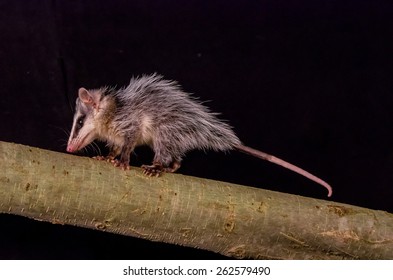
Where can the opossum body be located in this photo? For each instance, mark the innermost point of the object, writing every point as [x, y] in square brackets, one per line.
[158, 113]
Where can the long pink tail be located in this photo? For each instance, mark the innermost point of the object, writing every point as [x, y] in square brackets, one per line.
[285, 164]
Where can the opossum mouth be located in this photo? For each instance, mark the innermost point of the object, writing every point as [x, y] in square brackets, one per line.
[76, 144]
[73, 147]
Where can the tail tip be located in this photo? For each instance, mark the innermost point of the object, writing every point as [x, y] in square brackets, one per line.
[330, 190]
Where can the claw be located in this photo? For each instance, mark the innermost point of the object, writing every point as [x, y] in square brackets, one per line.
[102, 158]
[152, 170]
[99, 158]
[118, 163]
[115, 162]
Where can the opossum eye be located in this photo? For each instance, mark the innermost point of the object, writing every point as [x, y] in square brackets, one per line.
[80, 121]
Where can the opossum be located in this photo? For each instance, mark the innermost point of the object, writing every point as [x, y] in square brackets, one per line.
[156, 112]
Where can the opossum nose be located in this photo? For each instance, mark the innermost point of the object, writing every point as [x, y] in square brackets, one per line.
[70, 149]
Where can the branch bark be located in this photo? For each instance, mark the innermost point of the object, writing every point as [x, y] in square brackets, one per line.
[233, 220]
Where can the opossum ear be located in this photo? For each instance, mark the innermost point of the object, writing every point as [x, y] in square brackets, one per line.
[86, 97]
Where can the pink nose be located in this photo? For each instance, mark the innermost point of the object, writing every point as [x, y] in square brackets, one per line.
[70, 149]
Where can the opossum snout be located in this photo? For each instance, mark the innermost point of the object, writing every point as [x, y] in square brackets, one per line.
[71, 149]
[73, 146]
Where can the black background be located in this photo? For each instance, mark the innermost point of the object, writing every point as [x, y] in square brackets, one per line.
[308, 81]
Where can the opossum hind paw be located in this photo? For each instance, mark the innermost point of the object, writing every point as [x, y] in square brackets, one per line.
[152, 170]
[122, 165]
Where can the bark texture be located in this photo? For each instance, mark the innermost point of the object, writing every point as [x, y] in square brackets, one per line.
[233, 220]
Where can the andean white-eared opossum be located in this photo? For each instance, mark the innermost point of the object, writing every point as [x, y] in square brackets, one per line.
[156, 112]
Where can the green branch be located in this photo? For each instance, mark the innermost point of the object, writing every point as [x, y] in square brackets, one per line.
[232, 220]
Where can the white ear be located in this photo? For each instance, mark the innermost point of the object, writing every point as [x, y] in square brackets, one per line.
[85, 96]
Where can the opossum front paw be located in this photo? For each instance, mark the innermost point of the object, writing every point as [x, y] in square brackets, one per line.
[99, 158]
[107, 158]
[122, 165]
[152, 170]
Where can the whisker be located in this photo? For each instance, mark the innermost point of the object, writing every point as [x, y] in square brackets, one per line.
[97, 148]
[62, 143]
[85, 150]
[65, 131]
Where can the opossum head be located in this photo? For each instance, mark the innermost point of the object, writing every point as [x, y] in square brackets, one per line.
[84, 129]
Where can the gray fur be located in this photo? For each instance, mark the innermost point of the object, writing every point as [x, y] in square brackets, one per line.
[156, 112]
[176, 122]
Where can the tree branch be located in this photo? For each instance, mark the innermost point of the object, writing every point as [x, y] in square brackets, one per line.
[233, 220]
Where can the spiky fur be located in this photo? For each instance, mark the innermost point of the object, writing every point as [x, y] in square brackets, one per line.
[158, 113]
